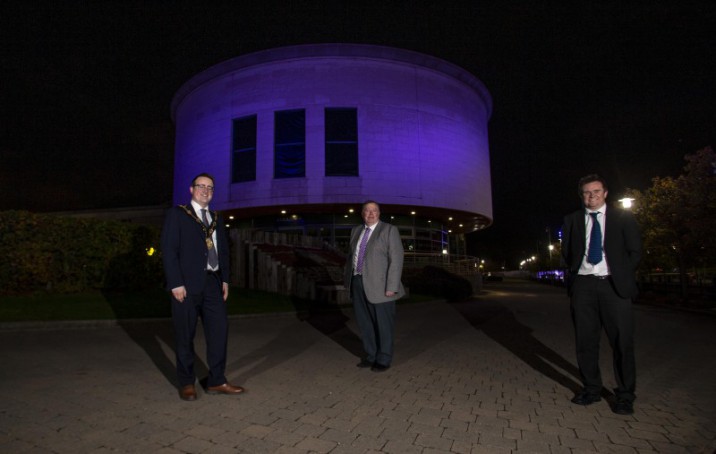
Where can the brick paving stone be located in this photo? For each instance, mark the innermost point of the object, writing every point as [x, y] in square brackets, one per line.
[576, 443]
[432, 441]
[341, 424]
[490, 449]
[556, 430]
[533, 446]
[490, 422]
[192, 445]
[256, 431]
[435, 451]
[605, 447]
[310, 430]
[285, 425]
[204, 432]
[426, 429]
[284, 437]
[646, 435]
[461, 447]
[497, 440]
[522, 424]
[339, 436]
[451, 383]
[400, 414]
[468, 437]
[316, 445]
[393, 446]
[454, 424]
[541, 437]
[393, 426]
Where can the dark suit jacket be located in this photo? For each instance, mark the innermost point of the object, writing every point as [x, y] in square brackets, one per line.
[382, 264]
[184, 251]
[622, 248]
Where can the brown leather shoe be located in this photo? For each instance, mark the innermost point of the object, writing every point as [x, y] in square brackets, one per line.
[187, 392]
[226, 388]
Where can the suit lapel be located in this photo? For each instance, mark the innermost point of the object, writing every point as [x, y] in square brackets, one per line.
[375, 231]
[581, 229]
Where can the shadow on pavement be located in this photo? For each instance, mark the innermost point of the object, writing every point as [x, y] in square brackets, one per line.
[155, 337]
[330, 321]
[501, 325]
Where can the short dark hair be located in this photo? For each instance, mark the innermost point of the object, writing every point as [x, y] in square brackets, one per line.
[368, 202]
[206, 175]
[591, 178]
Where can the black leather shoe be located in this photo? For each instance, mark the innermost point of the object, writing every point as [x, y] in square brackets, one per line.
[584, 398]
[623, 407]
[379, 367]
[364, 363]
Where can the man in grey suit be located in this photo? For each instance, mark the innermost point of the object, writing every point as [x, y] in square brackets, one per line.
[372, 274]
[601, 248]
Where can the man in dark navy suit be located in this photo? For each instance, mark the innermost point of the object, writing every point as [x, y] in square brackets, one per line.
[602, 247]
[195, 252]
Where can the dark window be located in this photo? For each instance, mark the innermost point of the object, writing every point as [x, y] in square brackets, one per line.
[341, 142]
[289, 144]
[243, 157]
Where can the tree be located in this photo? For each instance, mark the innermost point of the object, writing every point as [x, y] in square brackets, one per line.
[678, 217]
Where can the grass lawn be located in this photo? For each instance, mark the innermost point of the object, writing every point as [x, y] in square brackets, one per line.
[151, 303]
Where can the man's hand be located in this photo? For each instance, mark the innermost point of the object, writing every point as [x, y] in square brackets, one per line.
[389, 293]
[225, 290]
[179, 293]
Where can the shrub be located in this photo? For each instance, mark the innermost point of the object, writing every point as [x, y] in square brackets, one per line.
[64, 255]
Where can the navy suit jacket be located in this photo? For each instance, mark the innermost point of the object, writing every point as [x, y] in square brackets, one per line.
[184, 251]
[622, 248]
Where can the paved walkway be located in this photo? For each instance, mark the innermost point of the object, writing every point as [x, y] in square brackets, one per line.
[490, 376]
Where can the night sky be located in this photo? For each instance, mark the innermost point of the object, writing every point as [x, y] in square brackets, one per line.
[624, 91]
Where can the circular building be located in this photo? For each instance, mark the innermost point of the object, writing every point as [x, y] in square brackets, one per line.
[298, 137]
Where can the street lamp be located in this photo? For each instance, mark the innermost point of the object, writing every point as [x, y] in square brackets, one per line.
[626, 202]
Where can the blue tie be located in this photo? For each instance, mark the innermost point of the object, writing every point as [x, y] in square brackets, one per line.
[594, 254]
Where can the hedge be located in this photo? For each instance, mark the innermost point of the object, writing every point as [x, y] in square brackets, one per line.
[43, 252]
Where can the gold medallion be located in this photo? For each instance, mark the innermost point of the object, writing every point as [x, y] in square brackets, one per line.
[209, 243]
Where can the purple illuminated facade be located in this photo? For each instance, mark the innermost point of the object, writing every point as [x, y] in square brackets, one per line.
[299, 136]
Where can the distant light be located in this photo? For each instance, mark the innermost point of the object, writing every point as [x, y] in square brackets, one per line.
[626, 202]
[231, 218]
[413, 213]
[150, 251]
[350, 210]
[444, 251]
[450, 218]
[283, 211]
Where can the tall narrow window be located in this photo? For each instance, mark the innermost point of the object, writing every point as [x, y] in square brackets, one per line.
[289, 144]
[341, 142]
[243, 156]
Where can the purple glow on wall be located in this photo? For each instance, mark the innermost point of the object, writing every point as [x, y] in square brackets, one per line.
[422, 128]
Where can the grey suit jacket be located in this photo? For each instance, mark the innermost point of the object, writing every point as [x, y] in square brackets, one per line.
[382, 264]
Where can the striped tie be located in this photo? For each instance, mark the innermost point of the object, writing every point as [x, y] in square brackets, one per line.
[361, 251]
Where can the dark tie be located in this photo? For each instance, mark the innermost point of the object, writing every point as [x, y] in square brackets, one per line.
[594, 255]
[361, 251]
[213, 256]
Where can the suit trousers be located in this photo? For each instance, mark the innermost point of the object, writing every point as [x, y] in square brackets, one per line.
[376, 323]
[210, 306]
[596, 305]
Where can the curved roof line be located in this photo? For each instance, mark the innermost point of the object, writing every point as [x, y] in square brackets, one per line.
[307, 51]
